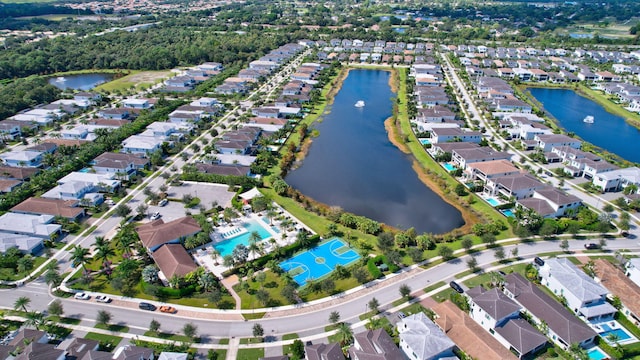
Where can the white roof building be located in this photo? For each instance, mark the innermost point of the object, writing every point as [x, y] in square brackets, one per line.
[31, 225]
[422, 339]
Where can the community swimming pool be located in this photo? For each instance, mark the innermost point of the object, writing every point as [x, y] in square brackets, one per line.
[226, 247]
[268, 222]
[448, 166]
[319, 261]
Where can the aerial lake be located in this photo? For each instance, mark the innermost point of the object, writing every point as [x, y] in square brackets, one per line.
[80, 81]
[609, 132]
[352, 163]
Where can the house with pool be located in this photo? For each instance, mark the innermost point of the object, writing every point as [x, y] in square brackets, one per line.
[621, 286]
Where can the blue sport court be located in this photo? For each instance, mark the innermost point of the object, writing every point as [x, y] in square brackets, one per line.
[319, 261]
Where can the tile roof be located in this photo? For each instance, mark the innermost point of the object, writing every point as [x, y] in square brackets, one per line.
[519, 181]
[540, 206]
[469, 335]
[557, 196]
[66, 208]
[495, 303]
[619, 284]
[173, 259]
[494, 167]
[14, 172]
[324, 352]
[521, 335]
[156, 233]
[562, 322]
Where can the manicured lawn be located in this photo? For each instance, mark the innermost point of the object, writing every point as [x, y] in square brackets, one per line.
[64, 320]
[108, 341]
[168, 336]
[11, 275]
[413, 309]
[224, 341]
[273, 285]
[434, 286]
[443, 295]
[254, 315]
[485, 279]
[113, 327]
[251, 340]
[250, 354]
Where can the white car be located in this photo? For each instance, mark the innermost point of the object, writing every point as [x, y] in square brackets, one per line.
[103, 299]
[82, 296]
[155, 216]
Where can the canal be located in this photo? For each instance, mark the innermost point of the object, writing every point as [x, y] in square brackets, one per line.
[608, 131]
[352, 163]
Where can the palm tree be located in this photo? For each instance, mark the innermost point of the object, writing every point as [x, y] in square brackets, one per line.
[271, 213]
[79, 256]
[35, 319]
[578, 352]
[214, 255]
[22, 303]
[103, 249]
[344, 333]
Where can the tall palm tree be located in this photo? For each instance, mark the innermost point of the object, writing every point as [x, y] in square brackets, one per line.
[22, 303]
[344, 333]
[79, 256]
[271, 213]
[104, 251]
[35, 319]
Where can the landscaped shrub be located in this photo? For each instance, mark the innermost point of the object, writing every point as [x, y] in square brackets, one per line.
[373, 269]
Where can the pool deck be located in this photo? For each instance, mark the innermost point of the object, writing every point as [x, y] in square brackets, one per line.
[203, 255]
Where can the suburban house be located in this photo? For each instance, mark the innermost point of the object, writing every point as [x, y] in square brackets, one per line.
[422, 339]
[139, 104]
[132, 352]
[500, 316]
[518, 186]
[468, 335]
[330, 351]
[120, 165]
[621, 286]
[141, 145]
[484, 171]
[436, 114]
[10, 130]
[27, 232]
[42, 117]
[617, 180]
[31, 344]
[551, 202]
[374, 344]
[157, 233]
[546, 142]
[447, 148]
[464, 157]
[563, 327]
[87, 96]
[79, 347]
[22, 158]
[67, 209]
[441, 135]
[511, 104]
[173, 260]
[224, 169]
[114, 113]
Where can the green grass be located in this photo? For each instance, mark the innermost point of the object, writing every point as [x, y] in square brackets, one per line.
[104, 339]
[254, 316]
[136, 79]
[251, 340]
[434, 286]
[413, 309]
[443, 295]
[169, 336]
[250, 354]
[224, 341]
[485, 279]
[9, 274]
[290, 336]
[113, 327]
[64, 320]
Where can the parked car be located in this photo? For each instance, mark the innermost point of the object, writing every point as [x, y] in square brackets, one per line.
[163, 202]
[147, 306]
[155, 216]
[591, 246]
[168, 309]
[538, 261]
[455, 286]
[401, 315]
[103, 299]
[81, 296]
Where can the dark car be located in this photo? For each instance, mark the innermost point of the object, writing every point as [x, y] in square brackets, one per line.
[147, 306]
[591, 246]
[401, 315]
[538, 261]
[454, 285]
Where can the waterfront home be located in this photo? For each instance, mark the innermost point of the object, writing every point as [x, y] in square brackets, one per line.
[447, 148]
[517, 186]
[435, 114]
[468, 335]
[422, 339]
[612, 278]
[330, 351]
[157, 233]
[563, 328]
[583, 295]
[173, 260]
[224, 169]
[500, 316]
[441, 135]
[67, 209]
[511, 104]
[548, 142]
[374, 344]
[484, 171]
[550, 202]
[141, 145]
[464, 157]
[617, 180]
[22, 158]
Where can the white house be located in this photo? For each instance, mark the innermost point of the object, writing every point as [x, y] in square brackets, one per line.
[548, 142]
[39, 226]
[422, 339]
[583, 295]
[22, 158]
[137, 104]
[551, 202]
[632, 270]
[441, 135]
[141, 145]
[617, 180]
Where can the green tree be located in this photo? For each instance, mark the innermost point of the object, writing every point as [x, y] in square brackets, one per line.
[334, 317]
[122, 210]
[373, 305]
[190, 330]
[472, 263]
[344, 334]
[79, 256]
[499, 254]
[467, 243]
[258, 330]
[385, 241]
[405, 290]
[55, 308]
[154, 326]
[21, 303]
[445, 252]
[103, 317]
[297, 349]
[214, 295]
[564, 245]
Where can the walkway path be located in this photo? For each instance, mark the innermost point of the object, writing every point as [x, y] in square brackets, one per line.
[228, 283]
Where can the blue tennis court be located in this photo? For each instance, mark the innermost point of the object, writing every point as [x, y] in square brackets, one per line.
[319, 261]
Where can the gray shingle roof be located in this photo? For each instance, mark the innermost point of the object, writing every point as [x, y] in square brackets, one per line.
[496, 304]
[574, 280]
[423, 336]
[521, 335]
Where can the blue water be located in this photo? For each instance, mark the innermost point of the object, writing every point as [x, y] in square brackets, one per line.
[273, 227]
[605, 327]
[85, 170]
[621, 334]
[226, 247]
[448, 167]
[609, 131]
[352, 163]
[596, 354]
[425, 141]
[80, 81]
[493, 202]
[319, 261]
[508, 213]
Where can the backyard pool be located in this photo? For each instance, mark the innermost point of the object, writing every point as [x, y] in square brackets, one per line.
[597, 354]
[493, 202]
[226, 247]
[508, 213]
[448, 166]
[425, 141]
[619, 334]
